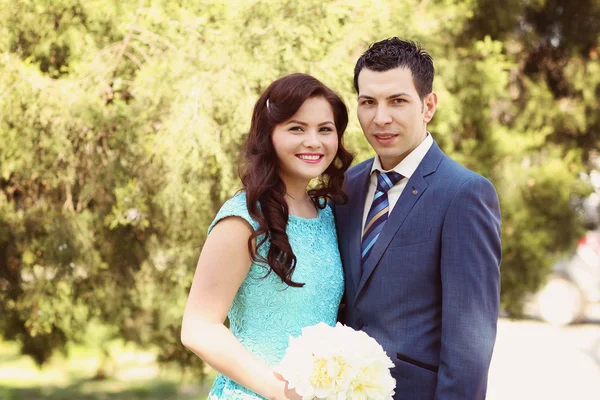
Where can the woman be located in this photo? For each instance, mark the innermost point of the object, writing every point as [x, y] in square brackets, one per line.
[271, 260]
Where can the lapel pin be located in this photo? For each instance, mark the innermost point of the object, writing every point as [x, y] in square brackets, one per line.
[415, 191]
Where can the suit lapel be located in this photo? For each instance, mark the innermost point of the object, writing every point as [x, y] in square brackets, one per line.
[414, 189]
[357, 205]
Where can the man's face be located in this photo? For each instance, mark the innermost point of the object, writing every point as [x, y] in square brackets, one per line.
[391, 114]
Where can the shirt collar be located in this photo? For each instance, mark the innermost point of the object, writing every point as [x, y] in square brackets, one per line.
[408, 166]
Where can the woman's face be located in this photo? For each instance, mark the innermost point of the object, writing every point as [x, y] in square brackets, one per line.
[306, 143]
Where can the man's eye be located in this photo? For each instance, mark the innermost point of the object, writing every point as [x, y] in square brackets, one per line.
[367, 102]
[398, 101]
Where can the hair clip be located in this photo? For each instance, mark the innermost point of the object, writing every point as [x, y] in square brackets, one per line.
[268, 106]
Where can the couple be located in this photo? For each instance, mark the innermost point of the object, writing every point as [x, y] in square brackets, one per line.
[415, 255]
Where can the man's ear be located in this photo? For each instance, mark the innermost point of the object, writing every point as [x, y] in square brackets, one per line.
[430, 104]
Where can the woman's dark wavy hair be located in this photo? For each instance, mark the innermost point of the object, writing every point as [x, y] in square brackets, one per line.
[260, 168]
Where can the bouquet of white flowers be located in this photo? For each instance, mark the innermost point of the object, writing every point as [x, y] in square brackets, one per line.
[337, 363]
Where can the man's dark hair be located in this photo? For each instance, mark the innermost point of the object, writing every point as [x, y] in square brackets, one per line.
[393, 53]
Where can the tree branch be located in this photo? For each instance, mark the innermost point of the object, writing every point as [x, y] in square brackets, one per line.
[126, 41]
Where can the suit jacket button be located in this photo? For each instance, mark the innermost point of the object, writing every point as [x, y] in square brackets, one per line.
[359, 323]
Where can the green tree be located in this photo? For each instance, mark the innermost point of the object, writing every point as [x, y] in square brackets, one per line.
[121, 125]
[549, 122]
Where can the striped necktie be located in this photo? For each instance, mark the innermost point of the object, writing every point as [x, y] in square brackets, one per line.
[378, 213]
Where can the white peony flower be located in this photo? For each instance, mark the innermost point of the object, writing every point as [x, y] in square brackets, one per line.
[337, 363]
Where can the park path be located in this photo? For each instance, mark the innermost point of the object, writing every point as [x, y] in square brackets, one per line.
[533, 360]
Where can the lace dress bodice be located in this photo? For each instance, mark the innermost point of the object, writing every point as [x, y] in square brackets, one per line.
[266, 312]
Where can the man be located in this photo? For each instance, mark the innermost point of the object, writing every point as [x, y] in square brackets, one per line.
[419, 238]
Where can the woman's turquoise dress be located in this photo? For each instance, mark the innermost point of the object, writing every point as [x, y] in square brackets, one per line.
[266, 312]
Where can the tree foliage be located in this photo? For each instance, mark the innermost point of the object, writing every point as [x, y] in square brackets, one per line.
[121, 124]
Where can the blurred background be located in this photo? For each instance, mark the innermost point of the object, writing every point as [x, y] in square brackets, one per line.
[120, 129]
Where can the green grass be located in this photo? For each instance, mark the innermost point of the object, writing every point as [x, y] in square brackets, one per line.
[101, 391]
[133, 375]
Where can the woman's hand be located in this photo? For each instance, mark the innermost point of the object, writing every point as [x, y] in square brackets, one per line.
[289, 394]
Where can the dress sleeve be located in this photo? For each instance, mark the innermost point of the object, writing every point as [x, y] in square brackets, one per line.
[234, 207]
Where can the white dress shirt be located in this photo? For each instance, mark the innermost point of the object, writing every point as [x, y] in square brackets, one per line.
[406, 168]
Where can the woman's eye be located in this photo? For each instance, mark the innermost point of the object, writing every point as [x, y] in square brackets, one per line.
[326, 129]
[296, 129]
